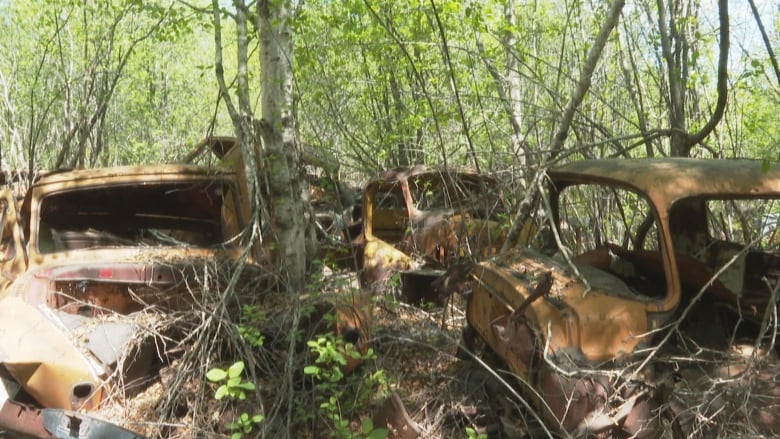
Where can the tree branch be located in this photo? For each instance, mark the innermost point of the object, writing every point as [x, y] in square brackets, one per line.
[585, 77]
[765, 37]
[723, 74]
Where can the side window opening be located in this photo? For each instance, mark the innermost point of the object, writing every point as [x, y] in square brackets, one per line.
[608, 228]
[592, 216]
[390, 218]
[742, 245]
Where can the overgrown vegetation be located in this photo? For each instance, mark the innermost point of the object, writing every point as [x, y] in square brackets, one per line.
[377, 84]
[134, 83]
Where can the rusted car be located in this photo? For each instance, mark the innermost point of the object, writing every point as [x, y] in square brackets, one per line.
[658, 272]
[419, 221]
[91, 263]
[82, 252]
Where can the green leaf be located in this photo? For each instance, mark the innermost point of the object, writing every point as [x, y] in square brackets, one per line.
[221, 392]
[246, 386]
[367, 426]
[216, 375]
[378, 433]
[236, 369]
[311, 370]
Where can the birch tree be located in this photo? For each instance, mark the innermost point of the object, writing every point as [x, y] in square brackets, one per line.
[270, 148]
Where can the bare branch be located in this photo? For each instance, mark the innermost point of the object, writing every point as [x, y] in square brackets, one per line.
[765, 37]
[585, 76]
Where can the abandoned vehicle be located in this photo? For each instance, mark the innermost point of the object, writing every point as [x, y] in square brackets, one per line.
[419, 221]
[660, 273]
[92, 264]
[102, 245]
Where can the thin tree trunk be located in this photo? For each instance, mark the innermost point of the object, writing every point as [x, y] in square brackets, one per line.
[509, 89]
[585, 77]
[281, 154]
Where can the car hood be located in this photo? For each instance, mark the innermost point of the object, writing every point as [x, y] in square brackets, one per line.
[575, 310]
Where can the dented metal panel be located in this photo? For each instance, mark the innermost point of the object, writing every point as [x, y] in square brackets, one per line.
[593, 326]
[39, 353]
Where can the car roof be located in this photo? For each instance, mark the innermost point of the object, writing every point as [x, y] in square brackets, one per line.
[666, 180]
[145, 173]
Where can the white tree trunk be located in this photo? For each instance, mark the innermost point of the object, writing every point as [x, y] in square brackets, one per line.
[280, 149]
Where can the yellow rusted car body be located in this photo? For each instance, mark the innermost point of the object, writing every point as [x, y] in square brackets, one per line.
[87, 255]
[102, 244]
[546, 315]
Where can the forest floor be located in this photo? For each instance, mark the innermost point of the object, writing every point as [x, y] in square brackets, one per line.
[418, 363]
[444, 390]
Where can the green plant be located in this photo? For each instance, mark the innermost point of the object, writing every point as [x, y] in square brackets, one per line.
[332, 354]
[233, 386]
[243, 425]
[369, 432]
[472, 434]
[394, 285]
[251, 319]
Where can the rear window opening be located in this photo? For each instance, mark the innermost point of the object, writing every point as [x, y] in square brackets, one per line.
[169, 214]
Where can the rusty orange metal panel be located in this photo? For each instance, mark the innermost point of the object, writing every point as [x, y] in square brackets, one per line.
[36, 351]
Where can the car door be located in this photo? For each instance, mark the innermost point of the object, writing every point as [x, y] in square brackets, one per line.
[13, 260]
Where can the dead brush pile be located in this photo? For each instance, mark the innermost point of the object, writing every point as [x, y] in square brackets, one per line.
[311, 369]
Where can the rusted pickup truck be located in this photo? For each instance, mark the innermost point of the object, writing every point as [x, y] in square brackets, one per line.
[660, 274]
[419, 221]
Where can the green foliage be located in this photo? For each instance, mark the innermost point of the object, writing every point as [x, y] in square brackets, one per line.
[472, 434]
[233, 386]
[331, 356]
[252, 317]
[244, 424]
[120, 77]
